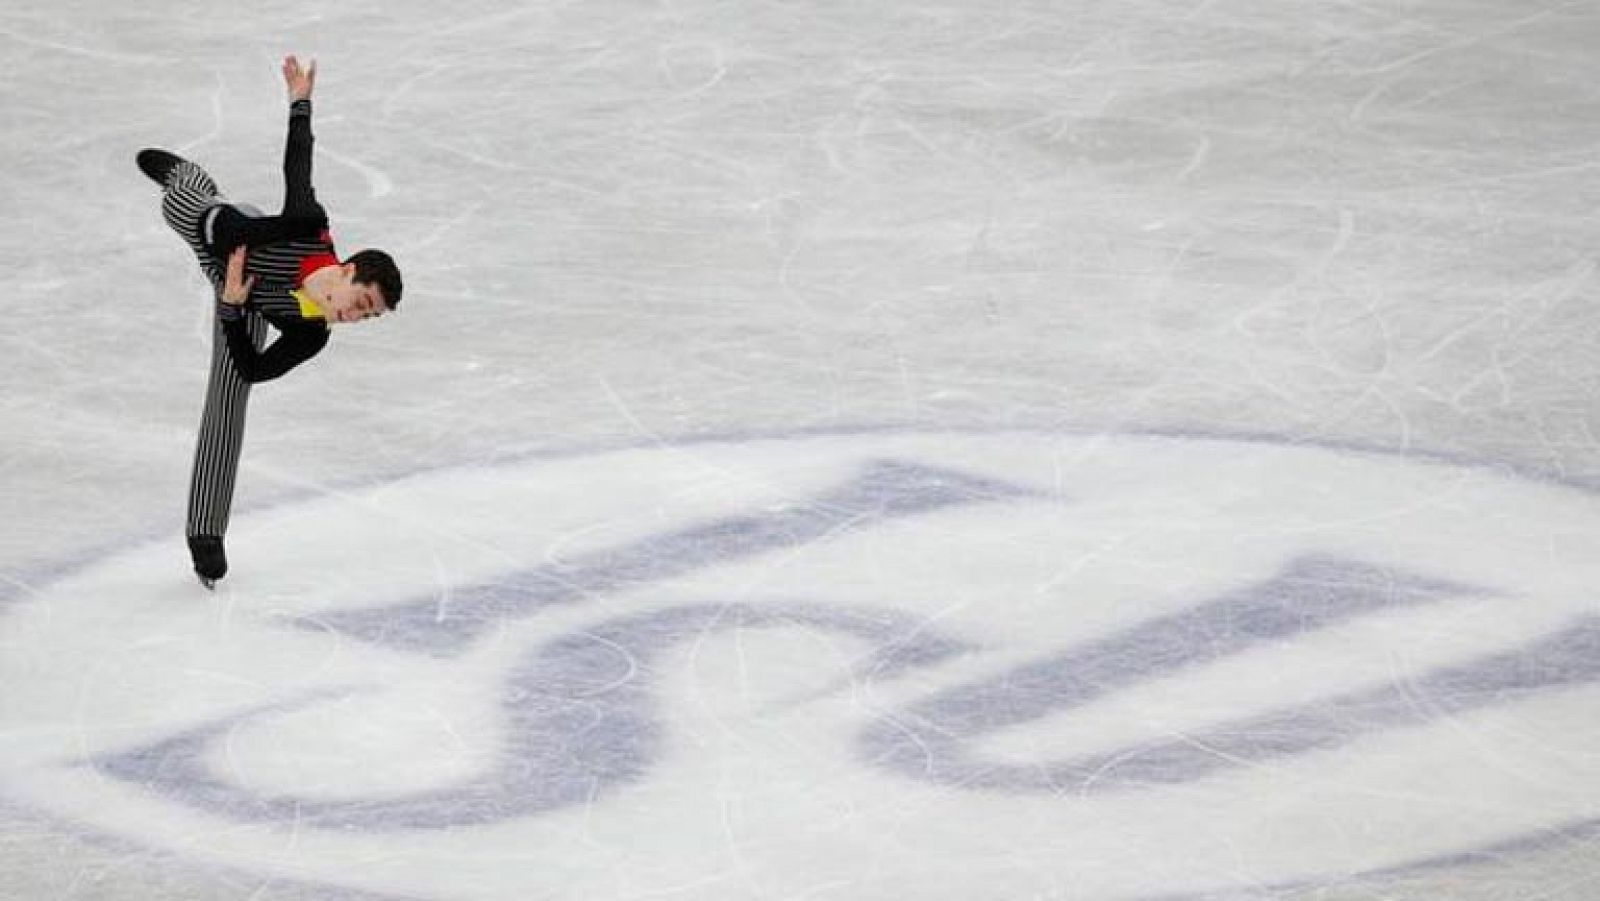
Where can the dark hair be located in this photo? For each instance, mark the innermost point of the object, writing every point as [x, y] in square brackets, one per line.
[374, 267]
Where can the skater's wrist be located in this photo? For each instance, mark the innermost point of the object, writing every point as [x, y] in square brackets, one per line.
[299, 106]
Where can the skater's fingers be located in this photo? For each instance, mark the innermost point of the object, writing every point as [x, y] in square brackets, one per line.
[301, 80]
[236, 287]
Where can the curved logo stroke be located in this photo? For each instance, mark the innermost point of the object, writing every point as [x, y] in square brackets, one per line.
[888, 662]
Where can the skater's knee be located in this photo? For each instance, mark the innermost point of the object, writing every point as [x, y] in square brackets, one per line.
[223, 227]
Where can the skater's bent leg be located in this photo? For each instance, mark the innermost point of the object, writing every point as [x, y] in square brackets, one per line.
[226, 227]
[188, 195]
[216, 459]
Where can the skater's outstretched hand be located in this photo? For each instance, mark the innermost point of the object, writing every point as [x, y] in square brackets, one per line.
[235, 286]
[299, 80]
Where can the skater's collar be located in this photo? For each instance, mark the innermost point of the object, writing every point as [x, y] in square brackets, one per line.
[308, 307]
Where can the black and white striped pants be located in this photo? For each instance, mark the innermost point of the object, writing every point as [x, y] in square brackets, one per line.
[188, 195]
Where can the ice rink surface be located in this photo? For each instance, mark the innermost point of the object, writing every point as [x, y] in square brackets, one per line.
[961, 451]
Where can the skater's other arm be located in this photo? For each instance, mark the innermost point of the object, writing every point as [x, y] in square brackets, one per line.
[299, 198]
[295, 345]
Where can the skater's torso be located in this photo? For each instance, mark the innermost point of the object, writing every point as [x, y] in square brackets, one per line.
[280, 270]
[277, 295]
[282, 251]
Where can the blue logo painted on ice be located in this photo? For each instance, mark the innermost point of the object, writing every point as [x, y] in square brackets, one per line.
[907, 664]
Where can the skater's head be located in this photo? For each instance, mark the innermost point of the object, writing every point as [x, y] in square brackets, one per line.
[367, 285]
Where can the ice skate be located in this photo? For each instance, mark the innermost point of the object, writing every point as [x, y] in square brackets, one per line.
[157, 164]
[210, 561]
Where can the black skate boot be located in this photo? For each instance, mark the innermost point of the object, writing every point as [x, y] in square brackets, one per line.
[157, 164]
[210, 562]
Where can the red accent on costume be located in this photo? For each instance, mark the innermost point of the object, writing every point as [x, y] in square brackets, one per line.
[314, 262]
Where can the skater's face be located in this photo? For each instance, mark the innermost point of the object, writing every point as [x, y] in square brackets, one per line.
[350, 301]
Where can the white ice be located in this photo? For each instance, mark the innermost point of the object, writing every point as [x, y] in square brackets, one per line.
[956, 450]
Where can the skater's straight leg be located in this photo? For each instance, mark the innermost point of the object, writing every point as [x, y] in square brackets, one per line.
[188, 195]
[190, 203]
[216, 459]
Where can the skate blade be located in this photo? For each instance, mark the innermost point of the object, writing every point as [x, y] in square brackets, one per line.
[210, 584]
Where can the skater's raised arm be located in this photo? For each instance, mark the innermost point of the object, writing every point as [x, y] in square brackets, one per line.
[299, 198]
[302, 217]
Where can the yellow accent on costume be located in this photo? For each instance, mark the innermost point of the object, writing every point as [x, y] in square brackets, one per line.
[308, 307]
